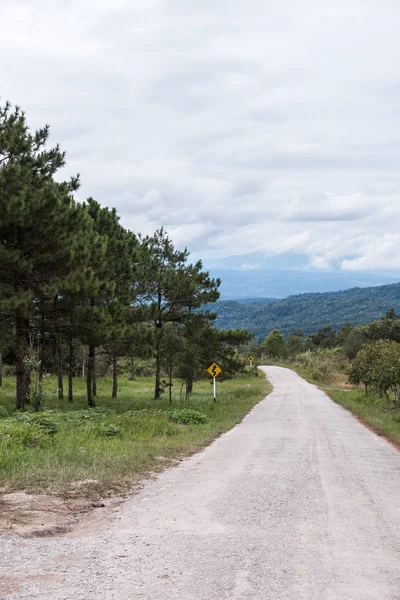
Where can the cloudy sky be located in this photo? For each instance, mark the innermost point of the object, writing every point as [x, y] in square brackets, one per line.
[257, 128]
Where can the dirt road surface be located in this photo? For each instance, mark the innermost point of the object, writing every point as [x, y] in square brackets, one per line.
[299, 501]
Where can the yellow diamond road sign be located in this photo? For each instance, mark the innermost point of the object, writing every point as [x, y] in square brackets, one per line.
[214, 370]
[250, 358]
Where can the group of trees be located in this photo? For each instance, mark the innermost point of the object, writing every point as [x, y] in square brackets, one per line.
[375, 350]
[351, 339]
[73, 279]
[377, 366]
[276, 346]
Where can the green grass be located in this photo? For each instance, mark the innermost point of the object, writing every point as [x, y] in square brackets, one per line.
[117, 441]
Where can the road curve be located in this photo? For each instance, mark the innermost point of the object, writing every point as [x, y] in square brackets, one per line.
[299, 501]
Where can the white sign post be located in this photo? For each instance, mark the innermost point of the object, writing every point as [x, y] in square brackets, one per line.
[214, 370]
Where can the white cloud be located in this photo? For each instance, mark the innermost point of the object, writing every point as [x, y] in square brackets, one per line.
[326, 207]
[382, 253]
[240, 127]
[319, 262]
[248, 266]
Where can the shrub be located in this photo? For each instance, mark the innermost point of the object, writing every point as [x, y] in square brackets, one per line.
[377, 366]
[188, 416]
[110, 430]
[8, 371]
[23, 433]
[321, 373]
[104, 429]
[47, 426]
[43, 421]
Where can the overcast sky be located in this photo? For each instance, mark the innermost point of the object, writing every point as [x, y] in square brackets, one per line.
[241, 126]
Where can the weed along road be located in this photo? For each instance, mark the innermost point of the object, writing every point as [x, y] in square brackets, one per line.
[299, 501]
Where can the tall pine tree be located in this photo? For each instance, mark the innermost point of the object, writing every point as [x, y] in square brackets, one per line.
[173, 290]
[40, 221]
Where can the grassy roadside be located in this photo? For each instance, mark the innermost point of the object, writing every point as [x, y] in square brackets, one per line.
[374, 412]
[114, 443]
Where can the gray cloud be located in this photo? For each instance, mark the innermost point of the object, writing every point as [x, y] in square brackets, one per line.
[241, 127]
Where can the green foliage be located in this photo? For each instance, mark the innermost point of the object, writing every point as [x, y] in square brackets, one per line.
[322, 365]
[46, 425]
[391, 314]
[108, 430]
[174, 289]
[354, 342]
[43, 232]
[326, 337]
[24, 433]
[274, 344]
[377, 366]
[355, 338]
[295, 343]
[188, 416]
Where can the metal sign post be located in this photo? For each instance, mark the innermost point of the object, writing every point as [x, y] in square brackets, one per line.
[250, 359]
[214, 370]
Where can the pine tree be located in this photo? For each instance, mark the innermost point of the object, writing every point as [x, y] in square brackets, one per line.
[111, 304]
[173, 290]
[173, 347]
[38, 228]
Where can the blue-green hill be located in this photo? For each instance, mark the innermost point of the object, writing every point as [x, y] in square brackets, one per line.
[309, 311]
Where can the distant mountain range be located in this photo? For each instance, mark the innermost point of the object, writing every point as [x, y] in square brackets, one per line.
[308, 311]
[270, 283]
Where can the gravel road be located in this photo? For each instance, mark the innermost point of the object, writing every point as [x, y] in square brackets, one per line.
[300, 501]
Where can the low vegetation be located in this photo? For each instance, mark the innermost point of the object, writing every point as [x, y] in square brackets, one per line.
[70, 449]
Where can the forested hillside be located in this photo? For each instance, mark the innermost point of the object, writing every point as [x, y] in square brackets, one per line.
[310, 311]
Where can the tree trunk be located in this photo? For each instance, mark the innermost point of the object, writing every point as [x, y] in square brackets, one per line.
[22, 375]
[70, 371]
[28, 387]
[132, 368]
[83, 362]
[60, 370]
[94, 376]
[89, 378]
[157, 388]
[115, 373]
[1, 370]
[189, 385]
[41, 349]
[170, 383]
